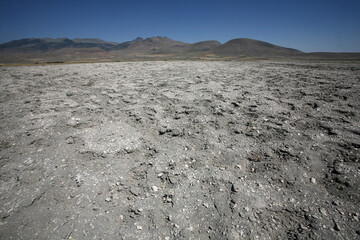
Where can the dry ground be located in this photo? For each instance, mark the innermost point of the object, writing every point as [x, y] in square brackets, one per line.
[180, 150]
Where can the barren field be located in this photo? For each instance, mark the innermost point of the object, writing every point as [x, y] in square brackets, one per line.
[180, 150]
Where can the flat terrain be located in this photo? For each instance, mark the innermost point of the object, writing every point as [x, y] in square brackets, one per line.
[180, 150]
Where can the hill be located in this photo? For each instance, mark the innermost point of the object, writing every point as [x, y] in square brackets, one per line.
[254, 48]
[94, 49]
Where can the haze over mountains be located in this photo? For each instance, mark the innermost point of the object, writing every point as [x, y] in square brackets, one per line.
[93, 49]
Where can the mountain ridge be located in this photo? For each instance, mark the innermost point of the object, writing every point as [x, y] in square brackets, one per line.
[93, 49]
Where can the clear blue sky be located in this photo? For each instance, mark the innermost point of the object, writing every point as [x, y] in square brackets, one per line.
[308, 25]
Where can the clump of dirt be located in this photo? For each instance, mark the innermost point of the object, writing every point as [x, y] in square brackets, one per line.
[180, 150]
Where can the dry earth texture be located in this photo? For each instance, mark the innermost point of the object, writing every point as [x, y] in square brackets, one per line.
[180, 150]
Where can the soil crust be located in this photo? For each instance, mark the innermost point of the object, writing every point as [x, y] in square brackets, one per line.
[180, 150]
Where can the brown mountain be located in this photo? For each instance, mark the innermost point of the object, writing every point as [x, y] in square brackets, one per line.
[254, 48]
[204, 46]
[49, 44]
[93, 49]
[154, 45]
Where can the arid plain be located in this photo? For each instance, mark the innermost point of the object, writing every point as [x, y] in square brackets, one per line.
[180, 150]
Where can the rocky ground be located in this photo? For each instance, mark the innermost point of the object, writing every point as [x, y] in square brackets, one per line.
[180, 150]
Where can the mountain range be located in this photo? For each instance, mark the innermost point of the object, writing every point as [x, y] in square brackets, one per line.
[93, 49]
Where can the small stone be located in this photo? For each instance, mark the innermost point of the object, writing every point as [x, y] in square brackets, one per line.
[175, 132]
[139, 227]
[108, 199]
[337, 227]
[162, 130]
[206, 205]
[135, 191]
[155, 188]
[140, 210]
[252, 218]
[313, 180]
[70, 140]
[303, 227]
[323, 211]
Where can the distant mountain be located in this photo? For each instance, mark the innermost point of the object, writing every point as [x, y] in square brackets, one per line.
[204, 46]
[49, 44]
[93, 49]
[93, 40]
[154, 45]
[254, 48]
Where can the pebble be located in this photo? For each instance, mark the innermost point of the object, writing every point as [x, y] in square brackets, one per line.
[139, 227]
[108, 199]
[337, 227]
[323, 211]
[252, 219]
[155, 188]
[313, 180]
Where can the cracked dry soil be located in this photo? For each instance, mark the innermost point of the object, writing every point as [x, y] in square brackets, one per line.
[180, 150]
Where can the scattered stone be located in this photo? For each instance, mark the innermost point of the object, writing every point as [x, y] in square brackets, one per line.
[167, 198]
[336, 203]
[336, 226]
[108, 199]
[70, 140]
[78, 180]
[155, 188]
[175, 132]
[136, 191]
[235, 187]
[323, 211]
[313, 180]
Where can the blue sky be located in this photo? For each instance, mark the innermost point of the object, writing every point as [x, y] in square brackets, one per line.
[307, 25]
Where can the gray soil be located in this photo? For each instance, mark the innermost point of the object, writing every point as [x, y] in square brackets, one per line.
[180, 150]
